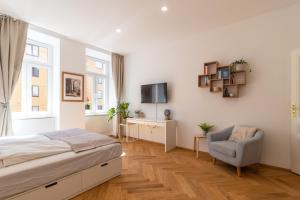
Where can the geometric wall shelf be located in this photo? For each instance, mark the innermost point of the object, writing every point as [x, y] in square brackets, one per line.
[219, 79]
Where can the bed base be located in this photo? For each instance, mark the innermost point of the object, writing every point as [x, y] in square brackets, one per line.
[74, 184]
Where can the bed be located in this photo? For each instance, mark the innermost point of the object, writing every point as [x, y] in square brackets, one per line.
[62, 175]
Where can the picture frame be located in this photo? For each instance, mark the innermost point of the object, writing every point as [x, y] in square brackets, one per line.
[72, 87]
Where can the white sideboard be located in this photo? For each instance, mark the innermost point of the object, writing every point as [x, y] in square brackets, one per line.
[169, 134]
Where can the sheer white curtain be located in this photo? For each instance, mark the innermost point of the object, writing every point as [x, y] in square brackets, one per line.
[13, 34]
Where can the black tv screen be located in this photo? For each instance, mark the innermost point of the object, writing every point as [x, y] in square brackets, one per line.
[154, 93]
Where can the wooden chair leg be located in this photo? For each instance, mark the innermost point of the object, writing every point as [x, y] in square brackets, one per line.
[238, 170]
[214, 161]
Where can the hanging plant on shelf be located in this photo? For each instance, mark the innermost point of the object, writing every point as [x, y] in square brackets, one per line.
[239, 65]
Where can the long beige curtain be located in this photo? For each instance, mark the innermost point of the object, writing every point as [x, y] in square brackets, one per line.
[13, 34]
[118, 79]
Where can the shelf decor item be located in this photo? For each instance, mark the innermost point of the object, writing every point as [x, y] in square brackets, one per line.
[226, 93]
[137, 113]
[205, 127]
[239, 65]
[72, 87]
[205, 70]
[216, 89]
[167, 114]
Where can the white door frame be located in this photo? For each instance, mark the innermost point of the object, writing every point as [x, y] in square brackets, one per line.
[295, 115]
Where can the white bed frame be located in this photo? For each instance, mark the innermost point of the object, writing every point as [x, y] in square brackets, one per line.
[74, 184]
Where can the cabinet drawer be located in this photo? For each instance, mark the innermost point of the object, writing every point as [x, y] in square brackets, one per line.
[100, 173]
[58, 190]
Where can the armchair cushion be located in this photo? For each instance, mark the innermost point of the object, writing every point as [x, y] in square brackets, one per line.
[241, 133]
[227, 148]
[220, 136]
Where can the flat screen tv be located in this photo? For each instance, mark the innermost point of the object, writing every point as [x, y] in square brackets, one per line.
[154, 93]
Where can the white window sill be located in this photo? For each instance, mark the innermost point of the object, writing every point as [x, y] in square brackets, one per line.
[95, 114]
[32, 117]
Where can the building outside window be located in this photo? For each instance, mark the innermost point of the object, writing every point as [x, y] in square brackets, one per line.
[33, 90]
[97, 82]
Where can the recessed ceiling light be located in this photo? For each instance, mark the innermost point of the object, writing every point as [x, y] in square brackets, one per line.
[118, 30]
[164, 8]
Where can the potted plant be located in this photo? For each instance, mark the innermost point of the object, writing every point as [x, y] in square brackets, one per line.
[87, 104]
[205, 127]
[121, 109]
[239, 65]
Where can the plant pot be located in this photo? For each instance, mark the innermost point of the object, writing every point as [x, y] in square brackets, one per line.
[87, 106]
[241, 67]
[123, 121]
[203, 133]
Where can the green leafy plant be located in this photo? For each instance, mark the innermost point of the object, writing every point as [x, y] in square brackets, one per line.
[238, 62]
[121, 109]
[205, 127]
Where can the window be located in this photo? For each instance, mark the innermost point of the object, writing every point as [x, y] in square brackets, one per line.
[99, 94]
[35, 72]
[33, 89]
[35, 108]
[97, 82]
[99, 65]
[32, 50]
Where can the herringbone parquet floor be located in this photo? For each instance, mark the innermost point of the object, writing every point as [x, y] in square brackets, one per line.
[150, 174]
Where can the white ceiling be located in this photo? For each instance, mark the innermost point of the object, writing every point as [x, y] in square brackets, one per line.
[141, 21]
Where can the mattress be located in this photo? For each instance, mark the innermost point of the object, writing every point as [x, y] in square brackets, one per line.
[28, 175]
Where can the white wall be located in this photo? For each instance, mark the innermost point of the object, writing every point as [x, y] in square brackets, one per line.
[70, 114]
[265, 41]
[72, 60]
[98, 124]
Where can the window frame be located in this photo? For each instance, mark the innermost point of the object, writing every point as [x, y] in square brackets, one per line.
[105, 80]
[27, 74]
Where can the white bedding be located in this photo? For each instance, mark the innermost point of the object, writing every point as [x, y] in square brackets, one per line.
[28, 175]
[14, 150]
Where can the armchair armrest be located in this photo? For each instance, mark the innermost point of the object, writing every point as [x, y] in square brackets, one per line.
[249, 151]
[220, 135]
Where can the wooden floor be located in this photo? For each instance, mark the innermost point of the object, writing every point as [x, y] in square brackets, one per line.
[149, 173]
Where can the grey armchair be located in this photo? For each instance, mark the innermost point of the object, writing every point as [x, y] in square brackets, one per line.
[238, 154]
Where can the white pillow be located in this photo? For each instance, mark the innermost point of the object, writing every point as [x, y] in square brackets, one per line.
[241, 133]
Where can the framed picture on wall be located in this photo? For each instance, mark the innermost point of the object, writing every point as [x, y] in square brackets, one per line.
[72, 87]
